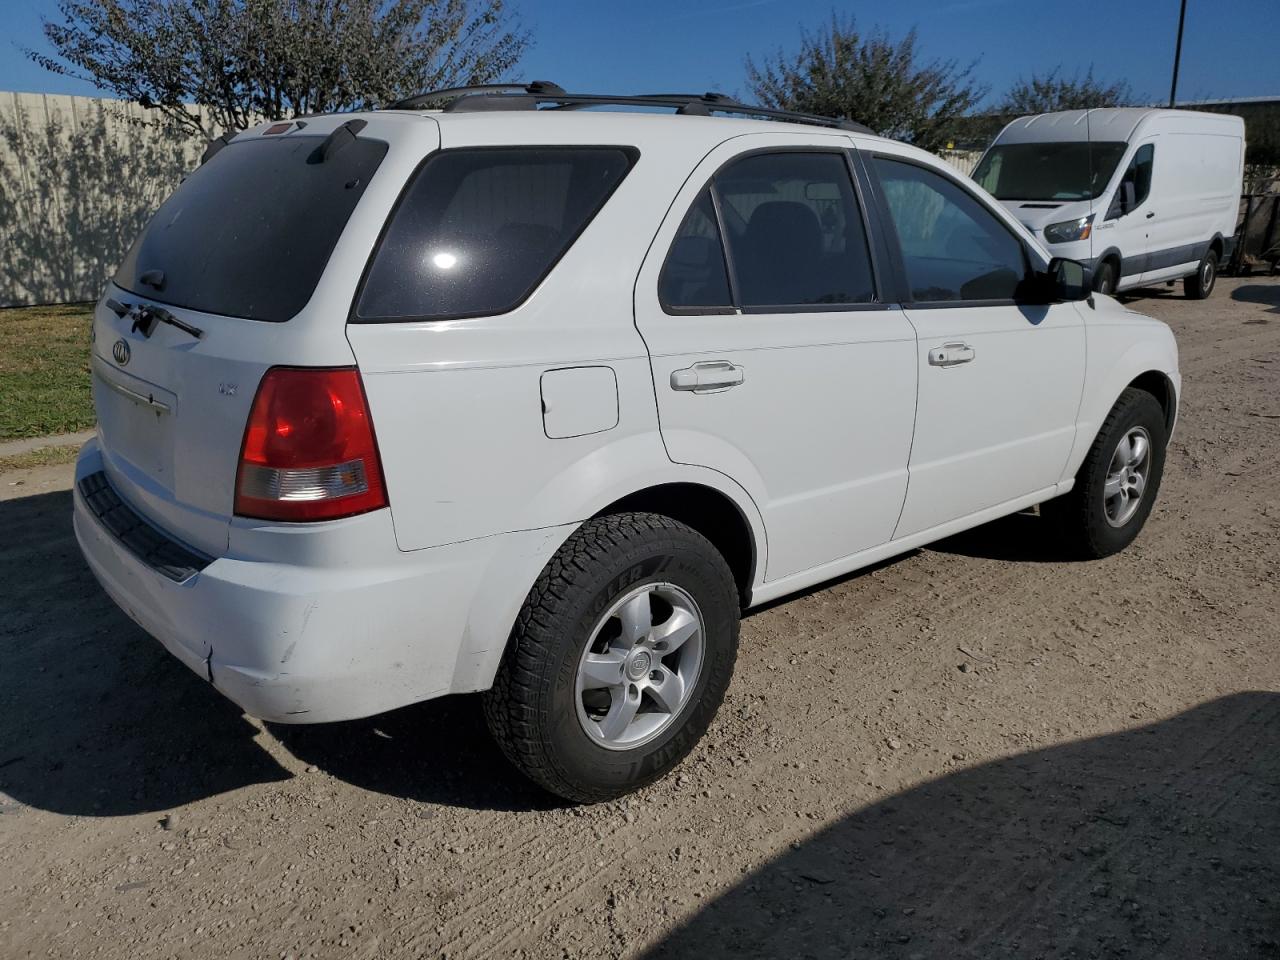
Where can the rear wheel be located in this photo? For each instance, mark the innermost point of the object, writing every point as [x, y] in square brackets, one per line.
[619, 659]
[1199, 285]
[1117, 484]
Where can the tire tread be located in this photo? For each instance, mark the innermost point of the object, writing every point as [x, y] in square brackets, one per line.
[510, 705]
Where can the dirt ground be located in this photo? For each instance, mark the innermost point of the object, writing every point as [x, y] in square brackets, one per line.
[976, 750]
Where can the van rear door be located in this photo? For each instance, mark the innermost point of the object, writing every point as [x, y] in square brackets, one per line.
[222, 284]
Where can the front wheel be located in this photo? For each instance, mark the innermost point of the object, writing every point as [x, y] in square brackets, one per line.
[1116, 485]
[1104, 278]
[619, 659]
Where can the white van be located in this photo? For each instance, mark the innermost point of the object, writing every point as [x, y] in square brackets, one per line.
[1142, 196]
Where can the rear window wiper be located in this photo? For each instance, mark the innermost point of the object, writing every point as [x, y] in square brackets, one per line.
[145, 317]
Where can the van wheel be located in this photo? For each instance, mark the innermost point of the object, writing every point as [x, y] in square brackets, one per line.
[619, 659]
[1200, 284]
[1118, 481]
[1104, 278]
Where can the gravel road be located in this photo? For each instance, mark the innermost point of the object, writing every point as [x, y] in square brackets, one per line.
[975, 750]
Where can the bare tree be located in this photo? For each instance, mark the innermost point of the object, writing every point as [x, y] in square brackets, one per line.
[871, 78]
[1048, 92]
[245, 60]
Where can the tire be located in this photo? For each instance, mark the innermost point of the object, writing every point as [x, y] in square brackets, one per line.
[575, 742]
[1104, 278]
[1091, 523]
[1199, 285]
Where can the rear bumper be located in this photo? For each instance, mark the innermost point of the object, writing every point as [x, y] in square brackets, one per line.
[338, 624]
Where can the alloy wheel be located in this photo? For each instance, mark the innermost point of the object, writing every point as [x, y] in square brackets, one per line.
[640, 666]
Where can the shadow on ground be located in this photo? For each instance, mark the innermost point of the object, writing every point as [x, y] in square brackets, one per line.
[1021, 538]
[1267, 294]
[96, 719]
[1161, 842]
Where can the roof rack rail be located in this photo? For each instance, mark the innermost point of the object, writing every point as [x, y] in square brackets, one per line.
[544, 94]
[450, 94]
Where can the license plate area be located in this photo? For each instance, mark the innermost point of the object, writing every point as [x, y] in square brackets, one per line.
[136, 420]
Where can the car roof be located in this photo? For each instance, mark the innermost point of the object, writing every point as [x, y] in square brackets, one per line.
[1114, 124]
[645, 130]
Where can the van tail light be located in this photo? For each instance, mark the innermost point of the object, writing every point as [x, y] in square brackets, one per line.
[309, 452]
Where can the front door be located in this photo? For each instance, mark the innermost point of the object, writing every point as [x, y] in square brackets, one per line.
[1131, 216]
[775, 358]
[1000, 381]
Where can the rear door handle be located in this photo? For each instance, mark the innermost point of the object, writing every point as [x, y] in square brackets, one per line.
[709, 376]
[1151, 214]
[950, 354]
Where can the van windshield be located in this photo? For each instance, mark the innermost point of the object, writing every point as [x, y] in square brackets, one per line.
[1048, 171]
[249, 233]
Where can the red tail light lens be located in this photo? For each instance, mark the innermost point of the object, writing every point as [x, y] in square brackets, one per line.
[309, 451]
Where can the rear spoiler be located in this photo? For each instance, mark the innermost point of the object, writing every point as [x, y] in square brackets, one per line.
[213, 146]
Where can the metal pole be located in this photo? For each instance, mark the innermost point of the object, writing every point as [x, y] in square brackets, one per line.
[1177, 54]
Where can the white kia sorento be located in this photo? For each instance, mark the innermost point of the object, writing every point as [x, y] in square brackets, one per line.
[532, 395]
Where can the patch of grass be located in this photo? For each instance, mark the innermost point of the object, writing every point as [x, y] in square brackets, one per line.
[42, 457]
[44, 370]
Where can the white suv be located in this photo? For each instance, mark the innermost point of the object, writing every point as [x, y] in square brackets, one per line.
[533, 399]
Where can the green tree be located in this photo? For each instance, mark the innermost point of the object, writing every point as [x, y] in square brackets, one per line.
[1048, 92]
[245, 60]
[871, 78]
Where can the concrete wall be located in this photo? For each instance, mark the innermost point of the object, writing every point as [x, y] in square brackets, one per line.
[78, 178]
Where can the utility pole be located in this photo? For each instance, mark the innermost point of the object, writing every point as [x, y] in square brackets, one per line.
[1177, 54]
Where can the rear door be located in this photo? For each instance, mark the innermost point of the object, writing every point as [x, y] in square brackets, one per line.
[1000, 380]
[228, 279]
[776, 359]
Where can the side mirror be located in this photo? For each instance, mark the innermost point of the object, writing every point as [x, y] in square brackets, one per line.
[1069, 279]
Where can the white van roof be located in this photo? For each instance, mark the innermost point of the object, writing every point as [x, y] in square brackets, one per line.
[1113, 124]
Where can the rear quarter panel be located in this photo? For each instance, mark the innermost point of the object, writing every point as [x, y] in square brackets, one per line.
[457, 404]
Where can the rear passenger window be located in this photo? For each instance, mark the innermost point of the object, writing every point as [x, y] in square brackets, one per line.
[953, 248]
[478, 229]
[694, 276]
[794, 230]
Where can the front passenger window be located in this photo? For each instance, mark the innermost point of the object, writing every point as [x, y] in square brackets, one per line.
[1135, 185]
[953, 248]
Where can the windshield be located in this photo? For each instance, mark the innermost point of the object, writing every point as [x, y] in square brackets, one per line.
[249, 233]
[1048, 171]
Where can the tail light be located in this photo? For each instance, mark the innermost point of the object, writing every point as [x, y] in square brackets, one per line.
[309, 452]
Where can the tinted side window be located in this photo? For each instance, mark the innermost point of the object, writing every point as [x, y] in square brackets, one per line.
[694, 274]
[249, 233]
[953, 248]
[1140, 172]
[795, 233]
[478, 229]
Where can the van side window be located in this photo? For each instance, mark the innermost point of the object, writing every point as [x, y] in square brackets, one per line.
[794, 230]
[953, 248]
[478, 228]
[694, 275]
[1137, 178]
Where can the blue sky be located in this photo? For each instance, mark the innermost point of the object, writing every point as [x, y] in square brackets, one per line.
[1231, 47]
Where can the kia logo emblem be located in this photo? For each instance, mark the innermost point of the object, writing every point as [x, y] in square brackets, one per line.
[120, 350]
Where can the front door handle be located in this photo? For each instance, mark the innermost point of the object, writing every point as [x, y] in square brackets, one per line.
[950, 354]
[1151, 214]
[709, 376]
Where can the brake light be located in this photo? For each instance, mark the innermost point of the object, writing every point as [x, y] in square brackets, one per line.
[309, 452]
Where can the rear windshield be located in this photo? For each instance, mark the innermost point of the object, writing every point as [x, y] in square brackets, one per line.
[1048, 171]
[478, 229]
[249, 233]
